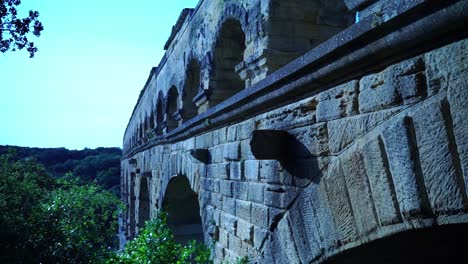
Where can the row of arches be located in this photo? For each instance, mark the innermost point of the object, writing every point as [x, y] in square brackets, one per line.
[180, 203]
[180, 104]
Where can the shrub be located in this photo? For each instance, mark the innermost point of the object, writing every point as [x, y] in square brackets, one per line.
[156, 244]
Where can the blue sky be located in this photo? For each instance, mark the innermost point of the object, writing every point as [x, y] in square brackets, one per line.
[94, 58]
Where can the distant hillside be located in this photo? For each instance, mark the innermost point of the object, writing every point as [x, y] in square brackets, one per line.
[100, 164]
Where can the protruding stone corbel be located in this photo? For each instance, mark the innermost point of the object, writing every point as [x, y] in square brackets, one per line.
[203, 155]
[270, 144]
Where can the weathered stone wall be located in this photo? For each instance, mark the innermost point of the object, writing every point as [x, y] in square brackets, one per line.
[381, 153]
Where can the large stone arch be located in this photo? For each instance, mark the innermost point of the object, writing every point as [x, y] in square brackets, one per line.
[228, 52]
[172, 108]
[191, 88]
[143, 202]
[131, 210]
[181, 204]
[160, 114]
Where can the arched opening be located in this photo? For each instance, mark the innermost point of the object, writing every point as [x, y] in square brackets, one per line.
[152, 120]
[229, 52]
[131, 210]
[172, 108]
[159, 115]
[192, 86]
[183, 212]
[438, 244]
[140, 132]
[144, 203]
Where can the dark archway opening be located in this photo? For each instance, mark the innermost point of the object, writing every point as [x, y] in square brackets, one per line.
[192, 86]
[131, 210]
[144, 203]
[183, 211]
[440, 244]
[229, 52]
[151, 121]
[172, 108]
[159, 117]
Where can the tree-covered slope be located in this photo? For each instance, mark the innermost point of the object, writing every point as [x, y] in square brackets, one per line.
[101, 164]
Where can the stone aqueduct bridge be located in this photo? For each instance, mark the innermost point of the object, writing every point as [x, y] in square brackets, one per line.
[286, 131]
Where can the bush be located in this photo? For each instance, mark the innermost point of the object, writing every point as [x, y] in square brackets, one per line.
[45, 220]
[156, 244]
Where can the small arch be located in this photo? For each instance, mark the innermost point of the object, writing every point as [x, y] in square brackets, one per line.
[131, 210]
[191, 88]
[228, 53]
[172, 108]
[159, 114]
[144, 203]
[183, 211]
[152, 120]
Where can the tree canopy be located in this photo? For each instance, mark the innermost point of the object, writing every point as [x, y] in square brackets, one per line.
[46, 220]
[100, 165]
[14, 31]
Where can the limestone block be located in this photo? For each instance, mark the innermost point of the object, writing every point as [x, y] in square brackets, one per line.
[245, 231]
[204, 141]
[212, 170]
[377, 92]
[225, 188]
[243, 209]
[303, 226]
[246, 152]
[412, 87]
[223, 238]
[259, 215]
[446, 64]
[338, 197]
[236, 171]
[256, 191]
[229, 223]
[287, 240]
[224, 169]
[274, 252]
[458, 101]
[442, 175]
[359, 192]
[219, 251]
[207, 184]
[216, 185]
[229, 205]
[240, 190]
[235, 245]
[251, 168]
[245, 129]
[280, 196]
[381, 182]
[232, 151]
[216, 154]
[259, 236]
[302, 112]
[338, 102]
[269, 171]
[406, 174]
[314, 140]
[216, 200]
[315, 205]
[222, 135]
[344, 131]
[231, 133]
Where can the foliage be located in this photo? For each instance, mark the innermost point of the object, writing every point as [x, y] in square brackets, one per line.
[156, 244]
[52, 220]
[101, 164]
[14, 30]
